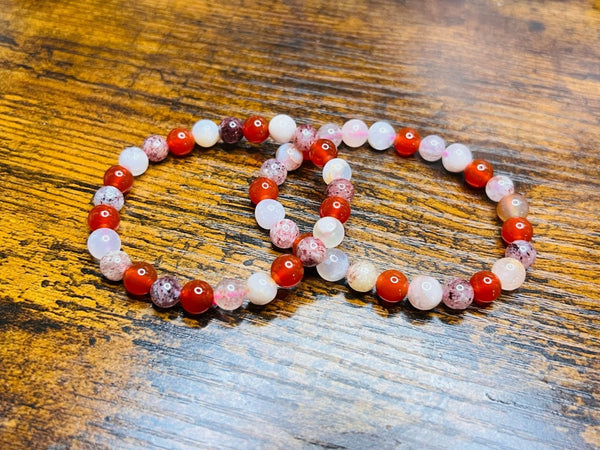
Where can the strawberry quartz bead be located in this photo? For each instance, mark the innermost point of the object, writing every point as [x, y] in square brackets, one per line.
[297, 241]
[139, 278]
[340, 188]
[165, 292]
[103, 216]
[407, 141]
[261, 189]
[516, 229]
[486, 287]
[119, 177]
[337, 207]
[180, 141]
[256, 129]
[478, 173]
[287, 271]
[196, 297]
[322, 151]
[311, 251]
[231, 130]
[391, 286]
[304, 137]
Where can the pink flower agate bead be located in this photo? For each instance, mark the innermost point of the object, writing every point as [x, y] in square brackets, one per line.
[268, 212]
[431, 148]
[498, 187]
[510, 272]
[381, 135]
[103, 241]
[355, 133]
[457, 294]
[311, 251]
[340, 188]
[425, 292]
[289, 156]
[332, 132]
[165, 291]
[109, 195]
[456, 157]
[274, 170]
[329, 230]
[114, 264]
[230, 294]
[522, 251]
[304, 137]
[156, 148]
[284, 233]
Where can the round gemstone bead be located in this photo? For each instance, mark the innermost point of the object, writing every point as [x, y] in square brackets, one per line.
[103, 241]
[334, 266]
[355, 133]
[486, 287]
[478, 173]
[407, 141]
[337, 207]
[231, 130]
[287, 271]
[119, 177]
[261, 288]
[282, 128]
[297, 241]
[512, 205]
[206, 133]
[425, 292]
[304, 137]
[268, 212]
[180, 141]
[391, 286]
[114, 264]
[329, 230]
[335, 169]
[510, 272]
[284, 233]
[165, 291]
[516, 229]
[155, 147]
[135, 160]
[522, 251]
[139, 278]
[311, 251]
[431, 148]
[332, 132]
[381, 135]
[456, 157]
[457, 294]
[103, 216]
[362, 276]
[261, 189]
[289, 156]
[230, 293]
[196, 297]
[256, 129]
[340, 188]
[322, 151]
[109, 195]
[274, 170]
[499, 186]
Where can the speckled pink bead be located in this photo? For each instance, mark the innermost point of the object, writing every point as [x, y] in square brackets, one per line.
[498, 187]
[114, 264]
[230, 293]
[284, 233]
[331, 131]
[424, 292]
[165, 291]
[340, 188]
[311, 251]
[304, 137]
[457, 294]
[289, 156]
[109, 195]
[355, 133]
[155, 147]
[274, 170]
[510, 272]
[522, 251]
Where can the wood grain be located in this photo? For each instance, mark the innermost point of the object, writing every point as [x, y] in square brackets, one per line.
[85, 366]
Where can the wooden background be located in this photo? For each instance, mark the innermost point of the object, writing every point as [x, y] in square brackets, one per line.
[82, 365]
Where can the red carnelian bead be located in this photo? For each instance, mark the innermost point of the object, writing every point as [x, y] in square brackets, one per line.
[119, 177]
[103, 216]
[287, 271]
[256, 129]
[297, 241]
[478, 173]
[196, 297]
[322, 151]
[337, 207]
[261, 189]
[486, 287]
[407, 141]
[139, 277]
[516, 229]
[180, 141]
[392, 286]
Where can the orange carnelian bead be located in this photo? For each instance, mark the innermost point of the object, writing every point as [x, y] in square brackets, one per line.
[407, 141]
[486, 287]
[517, 229]
[391, 286]
[103, 216]
[287, 271]
[256, 129]
[337, 207]
[478, 173]
[322, 151]
[297, 241]
[261, 189]
[119, 177]
[196, 297]
[180, 141]
[139, 277]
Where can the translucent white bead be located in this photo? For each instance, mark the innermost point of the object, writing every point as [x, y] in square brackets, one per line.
[425, 292]
[289, 156]
[381, 135]
[268, 212]
[134, 159]
[498, 187]
[456, 157]
[362, 276]
[109, 195]
[334, 266]
[355, 133]
[510, 272]
[261, 288]
[329, 230]
[431, 148]
[332, 132]
[103, 241]
[281, 128]
[336, 168]
[206, 133]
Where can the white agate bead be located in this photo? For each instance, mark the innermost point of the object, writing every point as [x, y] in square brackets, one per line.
[268, 212]
[206, 133]
[329, 230]
[334, 266]
[281, 128]
[261, 288]
[355, 133]
[362, 276]
[425, 292]
[456, 157]
[331, 131]
[103, 241]
[498, 187]
[135, 160]
[381, 135]
[289, 156]
[431, 148]
[336, 168]
[510, 272]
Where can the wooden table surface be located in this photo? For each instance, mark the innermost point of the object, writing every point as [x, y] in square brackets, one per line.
[83, 365]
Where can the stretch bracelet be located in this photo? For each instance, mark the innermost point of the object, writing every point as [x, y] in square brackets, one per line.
[319, 247]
